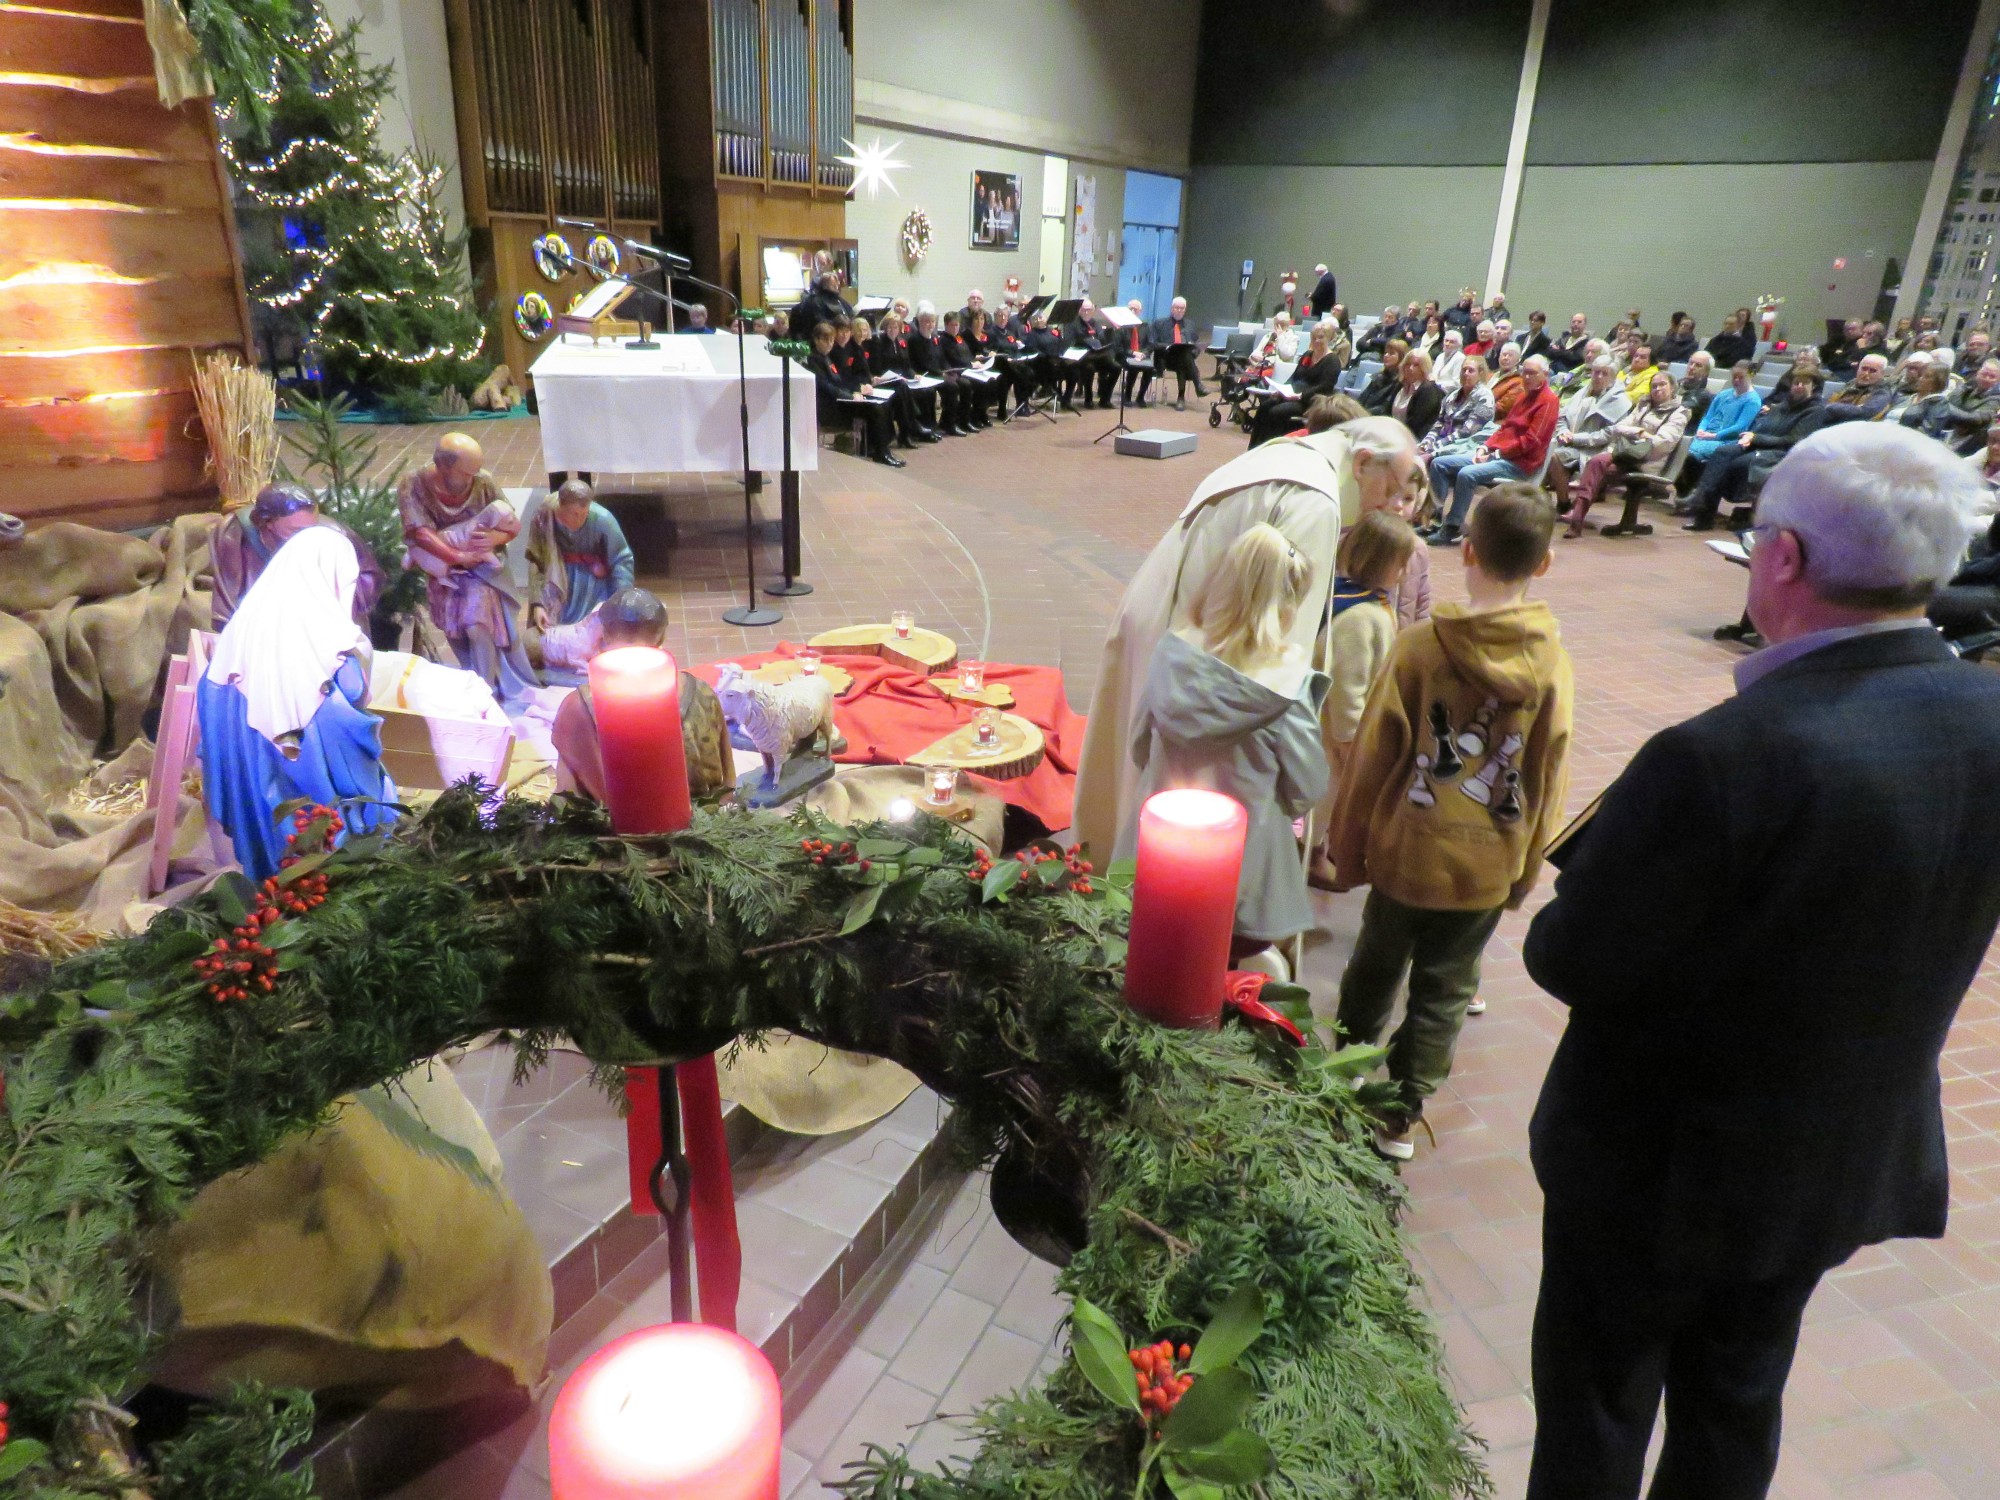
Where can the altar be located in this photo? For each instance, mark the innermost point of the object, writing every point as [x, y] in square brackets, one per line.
[609, 409]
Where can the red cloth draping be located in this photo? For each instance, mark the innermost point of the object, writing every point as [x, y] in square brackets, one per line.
[892, 712]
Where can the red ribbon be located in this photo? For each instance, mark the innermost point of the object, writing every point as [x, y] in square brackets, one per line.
[718, 1250]
[1240, 996]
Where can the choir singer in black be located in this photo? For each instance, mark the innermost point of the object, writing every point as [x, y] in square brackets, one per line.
[842, 399]
[1174, 341]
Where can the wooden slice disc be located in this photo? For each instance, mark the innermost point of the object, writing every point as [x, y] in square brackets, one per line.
[993, 695]
[784, 669]
[921, 650]
[1019, 752]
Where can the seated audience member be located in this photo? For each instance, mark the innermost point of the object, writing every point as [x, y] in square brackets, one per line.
[242, 546]
[1970, 603]
[1536, 340]
[1617, 341]
[1503, 335]
[1340, 348]
[1566, 350]
[1496, 307]
[1316, 374]
[1412, 327]
[1583, 427]
[1694, 391]
[1464, 412]
[1377, 338]
[1972, 354]
[1515, 451]
[1679, 346]
[1642, 442]
[1174, 337]
[1576, 379]
[1737, 341]
[1432, 338]
[1444, 364]
[1927, 410]
[1729, 415]
[633, 617]
[1345, 324]
[697, 320]
[1641, 364]
[1838, 356]
[1973, 409]
[1986, 464]
[1280, 340]
[1874, 340]
[1486, 341]
[1380, 391]
[1635, 325]
[1781, 426]
[1417, 397]
[841, 399]
[1901, 342]
[1867, 396]
[1135, 343]
[1507, 381]
[1464, 313]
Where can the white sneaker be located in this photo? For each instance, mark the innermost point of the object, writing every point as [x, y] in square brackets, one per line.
[1395, 1147]
[1476, 1006]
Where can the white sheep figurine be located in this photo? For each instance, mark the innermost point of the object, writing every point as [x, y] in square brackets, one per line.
[776, 717]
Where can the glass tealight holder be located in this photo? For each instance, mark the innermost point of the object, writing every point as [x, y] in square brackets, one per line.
[808, 660]
[971, 676]
[902, 622]
[943, 785]
[986, 729]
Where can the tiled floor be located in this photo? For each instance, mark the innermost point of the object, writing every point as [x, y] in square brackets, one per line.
[1019, 541]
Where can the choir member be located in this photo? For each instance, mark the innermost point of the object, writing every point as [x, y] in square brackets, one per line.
[1099, 366]
[1174, 337]
[1136, 343]
[926, 348]
[975, 396]
[840, 398]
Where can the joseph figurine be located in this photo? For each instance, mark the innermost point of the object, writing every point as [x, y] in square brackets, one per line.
[1308, 488]
[451, 489]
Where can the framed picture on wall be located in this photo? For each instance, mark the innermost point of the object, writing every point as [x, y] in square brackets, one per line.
[996, 211]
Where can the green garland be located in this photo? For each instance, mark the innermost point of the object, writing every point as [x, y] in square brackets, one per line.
[1194, 1162]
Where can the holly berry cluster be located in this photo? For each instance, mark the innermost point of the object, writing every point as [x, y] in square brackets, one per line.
[241, 963]
[1161, 1384]
[824, 853]
[1079, 869]
[3, 1424]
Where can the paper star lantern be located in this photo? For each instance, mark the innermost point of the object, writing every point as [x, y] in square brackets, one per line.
[872, 165]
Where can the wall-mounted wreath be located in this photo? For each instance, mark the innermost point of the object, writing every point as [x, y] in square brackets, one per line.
[916, 236]
[534, 317]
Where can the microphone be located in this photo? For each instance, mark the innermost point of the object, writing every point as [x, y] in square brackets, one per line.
[664, 257]
[577, 223]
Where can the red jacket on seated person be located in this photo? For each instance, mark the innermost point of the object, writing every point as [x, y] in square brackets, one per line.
[1524, 435]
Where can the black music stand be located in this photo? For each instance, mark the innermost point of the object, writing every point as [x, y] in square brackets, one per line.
[1061, 315]
[1123, 385]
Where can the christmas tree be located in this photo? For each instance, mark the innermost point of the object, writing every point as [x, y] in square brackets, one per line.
[347, 248]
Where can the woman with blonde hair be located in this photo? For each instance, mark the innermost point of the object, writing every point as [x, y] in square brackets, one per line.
[1317, 374]
[1232, 705]
[1374, 558]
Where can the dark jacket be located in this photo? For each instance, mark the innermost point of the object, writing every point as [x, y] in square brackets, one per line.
[1089, 333]
[1859, 404]
[1323, 295]
[888, 352]
[1537, 341]
[1675, 349]
[954, 350]
[1163, 331]
[816, 307]
[926, 357]
[1380, 391]
[833, 385]
[1422, 412]
[1315, 377]
[1782, 426]
[1463, 318]
[1122, 340]
[1729, 349]
[1565, 351]
[1762, 938]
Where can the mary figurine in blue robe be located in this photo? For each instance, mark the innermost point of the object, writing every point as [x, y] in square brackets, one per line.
[283, 705]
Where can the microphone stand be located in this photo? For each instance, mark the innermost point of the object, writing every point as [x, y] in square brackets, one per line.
[750, 612]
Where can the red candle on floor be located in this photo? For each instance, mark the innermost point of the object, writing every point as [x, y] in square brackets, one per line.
[676, 1412]
[1184, 906]
[636, 699]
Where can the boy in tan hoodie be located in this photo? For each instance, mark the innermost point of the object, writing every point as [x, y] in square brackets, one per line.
[1454, 788]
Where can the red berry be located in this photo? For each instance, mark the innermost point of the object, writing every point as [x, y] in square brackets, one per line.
[864, 867]
[1186, 1354]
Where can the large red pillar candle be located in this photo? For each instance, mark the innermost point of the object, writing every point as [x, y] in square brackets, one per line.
[1184, 906]
[635, 698]
[677, 1412]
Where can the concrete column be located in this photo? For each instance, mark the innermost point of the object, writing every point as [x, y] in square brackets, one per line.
[1517, 148]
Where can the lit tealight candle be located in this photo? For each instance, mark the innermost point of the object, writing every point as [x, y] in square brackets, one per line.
[902, 622]
[635, 698]
[902, 810]
[986, 730]
[808, 660]
[1190, 857]
[677, 1412]
[944, 782]
[971, 676]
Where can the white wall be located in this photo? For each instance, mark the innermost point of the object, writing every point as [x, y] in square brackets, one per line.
[1099, 80]
[409, 36]
[939, 181]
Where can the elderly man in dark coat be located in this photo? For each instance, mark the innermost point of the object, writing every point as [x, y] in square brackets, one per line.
[1763, 936]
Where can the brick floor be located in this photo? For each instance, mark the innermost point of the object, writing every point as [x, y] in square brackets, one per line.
[1018, 541]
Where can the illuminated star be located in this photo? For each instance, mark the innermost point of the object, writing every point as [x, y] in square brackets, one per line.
[872, 165]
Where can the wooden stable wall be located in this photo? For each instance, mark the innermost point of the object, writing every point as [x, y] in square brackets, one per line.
[117, 263]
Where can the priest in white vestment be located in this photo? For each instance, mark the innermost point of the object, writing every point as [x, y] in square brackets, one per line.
[1309, 488]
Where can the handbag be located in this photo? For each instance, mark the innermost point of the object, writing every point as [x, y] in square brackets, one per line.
[1630, 449]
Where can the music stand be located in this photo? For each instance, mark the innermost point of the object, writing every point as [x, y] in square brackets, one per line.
[1120, 318]
[1061, 315]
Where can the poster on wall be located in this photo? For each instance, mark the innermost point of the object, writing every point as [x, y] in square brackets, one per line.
[1084, 210]
[996, 211]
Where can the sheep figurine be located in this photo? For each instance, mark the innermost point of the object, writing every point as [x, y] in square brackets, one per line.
[780, 720]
